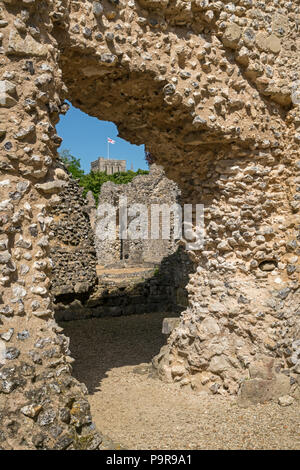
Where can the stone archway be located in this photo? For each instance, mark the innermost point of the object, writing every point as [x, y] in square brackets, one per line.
[212, 89]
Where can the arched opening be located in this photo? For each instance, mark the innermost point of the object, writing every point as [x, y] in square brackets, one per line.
[144, 277]
[99, 328]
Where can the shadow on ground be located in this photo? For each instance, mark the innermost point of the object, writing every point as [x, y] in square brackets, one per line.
[100, 344]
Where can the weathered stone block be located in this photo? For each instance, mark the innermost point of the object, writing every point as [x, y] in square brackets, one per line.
[169, 324]
[232, 36]
[27, 47]
[258, 390]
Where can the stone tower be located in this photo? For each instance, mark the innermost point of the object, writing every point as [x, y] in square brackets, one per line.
[108, 166]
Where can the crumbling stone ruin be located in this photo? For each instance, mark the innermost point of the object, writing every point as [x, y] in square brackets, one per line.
[134, 290]
[212, 88]
[154, 188]
[72, 247]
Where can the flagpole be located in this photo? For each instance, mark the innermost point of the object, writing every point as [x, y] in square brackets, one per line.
[109, 141]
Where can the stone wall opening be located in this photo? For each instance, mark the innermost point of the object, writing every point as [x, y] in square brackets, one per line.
[215, 155]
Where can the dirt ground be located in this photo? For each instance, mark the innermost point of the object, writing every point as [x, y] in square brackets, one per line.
[136, 411]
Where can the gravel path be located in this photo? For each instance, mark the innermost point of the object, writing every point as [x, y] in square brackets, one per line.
[139, 412]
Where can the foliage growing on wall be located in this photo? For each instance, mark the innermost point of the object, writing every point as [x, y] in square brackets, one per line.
[72, 163]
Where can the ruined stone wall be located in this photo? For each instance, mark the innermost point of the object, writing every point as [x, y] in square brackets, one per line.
[72, 244]
[41, 405]
[212, 88]
[153, 188]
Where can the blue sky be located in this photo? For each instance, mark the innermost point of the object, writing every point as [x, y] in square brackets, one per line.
[86, 138]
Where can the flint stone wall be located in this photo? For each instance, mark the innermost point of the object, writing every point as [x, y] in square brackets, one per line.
[72, 245]
[212, 89]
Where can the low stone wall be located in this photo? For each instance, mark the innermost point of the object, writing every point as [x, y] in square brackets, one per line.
[161, 288]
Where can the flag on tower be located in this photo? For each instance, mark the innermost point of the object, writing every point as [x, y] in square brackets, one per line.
[109, 141]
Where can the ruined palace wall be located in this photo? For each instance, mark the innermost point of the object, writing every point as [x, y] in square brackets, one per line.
[153, 188]
[41, 404]
[72, 247]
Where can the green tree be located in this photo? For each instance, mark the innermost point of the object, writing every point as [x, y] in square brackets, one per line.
[94, 180]
[72, 163]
